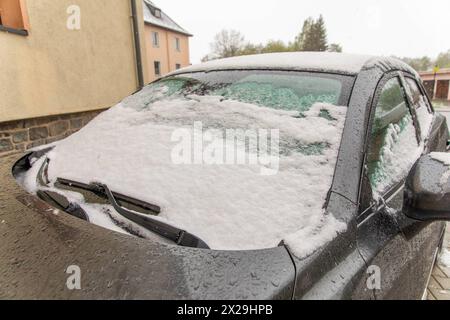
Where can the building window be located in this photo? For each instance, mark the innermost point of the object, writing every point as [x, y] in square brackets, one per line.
[155, 39]
[157, 13]
[178, 66]
[157, 68]
[177, 44]
[12, 14]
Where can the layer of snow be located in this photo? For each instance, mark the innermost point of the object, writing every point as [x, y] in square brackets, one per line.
[230, 207]
[96, 213]
[328, 61]
[305, 241]
[441, 157]
[444, 258]
[29, 180]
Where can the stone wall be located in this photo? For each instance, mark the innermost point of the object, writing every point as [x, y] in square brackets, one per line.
[21, 135]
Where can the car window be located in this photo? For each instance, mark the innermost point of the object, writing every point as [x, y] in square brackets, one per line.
[289, 91]
[413, 90]
[393, 143]
[421, 106]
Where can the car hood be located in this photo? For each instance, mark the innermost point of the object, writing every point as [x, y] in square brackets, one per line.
[39, 244]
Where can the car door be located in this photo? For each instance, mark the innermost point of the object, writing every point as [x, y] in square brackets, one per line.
[423, 237]
[393, 146]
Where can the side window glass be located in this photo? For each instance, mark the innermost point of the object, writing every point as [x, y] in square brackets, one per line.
[421, 106]
[393, 143]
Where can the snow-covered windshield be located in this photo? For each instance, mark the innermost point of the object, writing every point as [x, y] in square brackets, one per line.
[291, 91]
[242, 160]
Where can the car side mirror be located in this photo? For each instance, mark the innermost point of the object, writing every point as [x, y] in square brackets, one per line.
[427, 190]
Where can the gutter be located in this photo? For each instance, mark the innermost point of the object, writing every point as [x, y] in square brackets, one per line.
[169, 29]
[137, 44]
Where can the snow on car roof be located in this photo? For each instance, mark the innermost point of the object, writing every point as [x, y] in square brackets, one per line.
[308, 61]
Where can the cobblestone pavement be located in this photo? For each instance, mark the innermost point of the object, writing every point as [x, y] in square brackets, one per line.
[439, 286]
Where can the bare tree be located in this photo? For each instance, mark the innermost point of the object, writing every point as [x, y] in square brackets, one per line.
[228, 43]
[313, 37]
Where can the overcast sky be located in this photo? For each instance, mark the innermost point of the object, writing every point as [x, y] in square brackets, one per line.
[410, 28]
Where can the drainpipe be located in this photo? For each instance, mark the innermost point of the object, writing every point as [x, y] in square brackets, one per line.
[137, 44]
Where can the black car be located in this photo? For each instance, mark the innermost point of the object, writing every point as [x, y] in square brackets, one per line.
[386, 196]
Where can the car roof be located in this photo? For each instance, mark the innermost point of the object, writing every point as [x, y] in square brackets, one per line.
[341, 63]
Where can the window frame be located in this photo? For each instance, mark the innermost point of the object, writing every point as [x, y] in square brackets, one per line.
[157, 63]
[366, 201]
[155, 39]
[422, 90]
[414, 110]
[177, 44]
[25, 21]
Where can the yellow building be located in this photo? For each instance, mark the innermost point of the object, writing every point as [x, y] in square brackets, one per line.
[167, 43]
[62, 62]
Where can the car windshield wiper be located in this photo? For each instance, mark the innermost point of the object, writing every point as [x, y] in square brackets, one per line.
[55, 199]
[133, 204]
[178, 236]
[60, 202]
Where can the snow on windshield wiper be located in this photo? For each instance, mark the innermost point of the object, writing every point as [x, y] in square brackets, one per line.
[60, 202]
[42, 177]
[178, 236]
[138, 204]
[53, 198]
